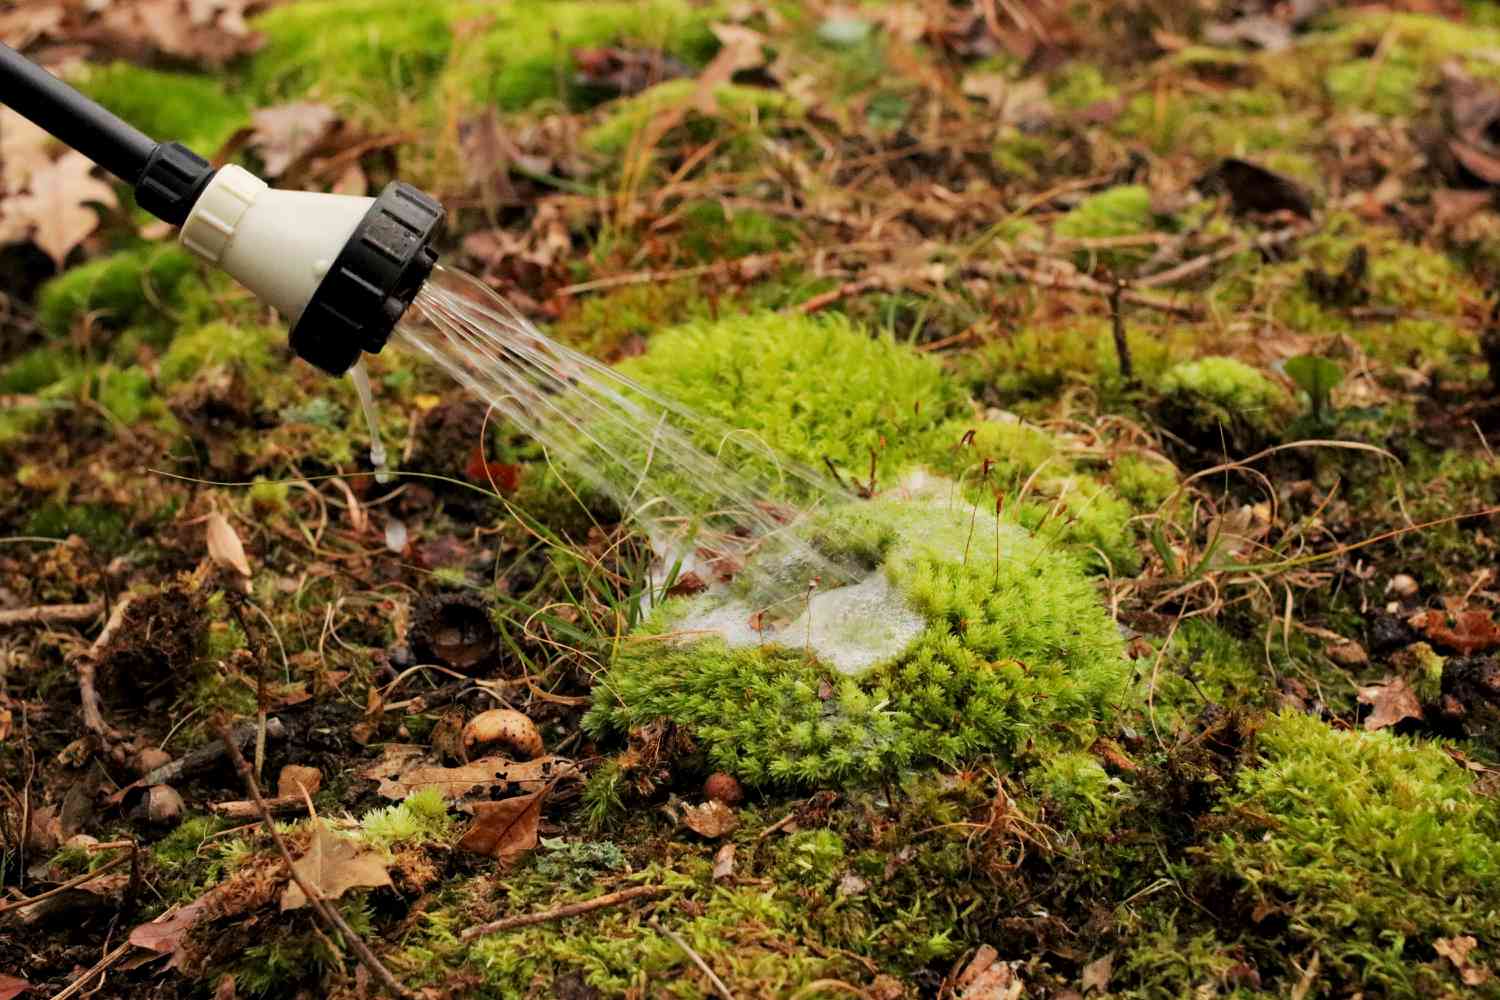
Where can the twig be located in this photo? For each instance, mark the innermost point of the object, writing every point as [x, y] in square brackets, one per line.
[329, 914]
[848, 289]
[87, 665]
[1266, 241]
[72, 883]
[247, 808]
[687, 949]
[52, 614]
[563, 912]
[1117, 320]
[97, 969]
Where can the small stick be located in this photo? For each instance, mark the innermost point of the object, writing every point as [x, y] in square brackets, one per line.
[848, 289]
[1117, 319]
[72, 883]
[97, 969]
[563, 912]
[52, 614]
[329, 914]
[247, 809]
[198, 760]
[687, 949]
[87, 665]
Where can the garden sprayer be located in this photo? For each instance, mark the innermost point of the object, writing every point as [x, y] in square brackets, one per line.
[341, 269]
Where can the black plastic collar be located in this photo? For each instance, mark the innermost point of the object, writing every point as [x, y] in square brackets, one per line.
[372, 282]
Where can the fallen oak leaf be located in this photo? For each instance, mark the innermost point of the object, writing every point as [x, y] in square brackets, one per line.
[713, 819]
[506, 829]
[1468, 633]
[1096, 974]
[1389, 703]
[1456, 950]
[282, 135]
[56, 205]
[12, 987]
[405, 769]
[333, 865]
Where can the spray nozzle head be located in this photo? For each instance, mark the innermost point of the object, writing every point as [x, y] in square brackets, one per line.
[341, 269]
[372, 281]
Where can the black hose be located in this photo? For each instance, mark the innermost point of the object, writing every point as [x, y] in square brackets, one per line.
[103, 137]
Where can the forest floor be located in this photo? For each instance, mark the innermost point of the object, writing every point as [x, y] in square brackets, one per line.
[1192, 302]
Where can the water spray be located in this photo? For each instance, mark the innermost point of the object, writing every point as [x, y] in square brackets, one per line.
[348, 272]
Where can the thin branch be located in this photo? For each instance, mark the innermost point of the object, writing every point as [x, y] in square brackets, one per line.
[52, 614]
[99, 968]
[87, 665]
[72, 883]
[330, 915]
[687, 949]
[563, 912]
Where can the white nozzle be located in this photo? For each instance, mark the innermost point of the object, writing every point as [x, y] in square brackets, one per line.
[278, 244]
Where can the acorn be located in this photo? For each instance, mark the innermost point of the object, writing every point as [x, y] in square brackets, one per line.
[149, 759]
[506, 728]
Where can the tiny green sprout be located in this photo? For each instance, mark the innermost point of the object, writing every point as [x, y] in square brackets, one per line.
[1317, 377]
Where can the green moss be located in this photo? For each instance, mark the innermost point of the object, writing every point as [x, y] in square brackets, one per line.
[246, 348]
[523, 55]
[743, 108]
[269, 497]
[105, 528]
[811, 388]
[153, 287]
[196, 110]
[708, 233]
[1119, 211]
[1144, 483]
[1222, 400]
[1081, 84]
[604, 325]
[35, 370]
[420, 818]
[1392, 61]
[1369, 847]
[1079, 790]
[367, 52]
[1016, 654]
[129, 394]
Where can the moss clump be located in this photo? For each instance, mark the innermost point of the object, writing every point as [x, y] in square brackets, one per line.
[193, 109]
[1370, 847]
[245, 348]
[1119, 211]
[151, 287]
[1144, 483]
[422, 817]
[36, 370]
[811, 388]
[1215, 401]
[738, 106]
[1016, 654]
[709, 233]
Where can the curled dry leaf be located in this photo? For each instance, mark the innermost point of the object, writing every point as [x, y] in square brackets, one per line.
[295, 778]
[507, 728]
[405, 770]
[1456, 950]
[1467, 632]
[333, 865]
[1389, 703]
[988, 978]
[1096, 974]
[11, 987]
[224, 546]
[283, 135]
[55, 209]
[506, 829]
[724, 862]
[712, 819]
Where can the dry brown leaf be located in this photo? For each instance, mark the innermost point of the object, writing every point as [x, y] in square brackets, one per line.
[56, 207]
[506, 829]
[1467, 632]
[333, 865]
[724, 862]
[224, 546]
[713, 819]
[1096, 974]
[988, 978]
[740, 49]
[405, 769]
[1456, 950]
[295, 778]
[284, 134]
[26, 22]
[1389, 703]
[165, 934]
[11, 987]
[24, 149]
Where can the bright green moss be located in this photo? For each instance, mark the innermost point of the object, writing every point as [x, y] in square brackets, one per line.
[1119, 211]
[1218, 123]
[1016, 654]
[524, 53]
[247, 348]
[35, 370]
[1370, 847]
[107, 529]
[1144, 483]
[269, 497]
[814, 389]
[151, 286]
[421, 817]
[365, 52]
[194, 109]
[129, 394]
[708, 233]
[1081, 84]
[1079, 790]
[1222, 398]
[1410, 51]
[741, 107]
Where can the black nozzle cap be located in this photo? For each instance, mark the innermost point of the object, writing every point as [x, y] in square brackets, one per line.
[373, 281]
[172, 180]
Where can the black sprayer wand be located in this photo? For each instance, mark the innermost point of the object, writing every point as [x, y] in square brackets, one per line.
[341, 269]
